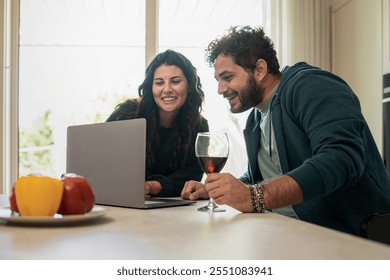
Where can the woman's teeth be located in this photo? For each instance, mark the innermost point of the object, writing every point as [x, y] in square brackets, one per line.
[170, 98]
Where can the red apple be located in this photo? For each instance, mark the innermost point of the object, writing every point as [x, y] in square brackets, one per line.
[12, 201]
[78, 197]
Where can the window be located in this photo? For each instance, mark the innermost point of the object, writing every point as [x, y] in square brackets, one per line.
[78, 59]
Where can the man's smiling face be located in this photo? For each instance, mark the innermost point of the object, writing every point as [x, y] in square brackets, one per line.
[237, 85]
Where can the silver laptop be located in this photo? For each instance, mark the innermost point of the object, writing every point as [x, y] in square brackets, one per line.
[111, 157]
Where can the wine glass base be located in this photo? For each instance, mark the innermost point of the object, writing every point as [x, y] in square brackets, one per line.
[211, 209]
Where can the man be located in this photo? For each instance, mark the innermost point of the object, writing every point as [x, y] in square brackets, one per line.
[311, 154]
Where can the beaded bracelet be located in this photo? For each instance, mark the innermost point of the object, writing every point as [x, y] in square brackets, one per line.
[255, 203]
[260, 196]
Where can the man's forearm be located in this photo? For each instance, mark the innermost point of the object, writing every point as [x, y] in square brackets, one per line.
[281, 191]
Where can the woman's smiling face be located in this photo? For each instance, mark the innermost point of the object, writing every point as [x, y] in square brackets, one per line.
[170, 89]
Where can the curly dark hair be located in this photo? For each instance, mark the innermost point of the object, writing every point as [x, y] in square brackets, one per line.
[246, 45]
[187, 122]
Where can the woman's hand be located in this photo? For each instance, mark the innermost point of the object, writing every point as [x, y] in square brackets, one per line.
[152, 187]
[194, 190]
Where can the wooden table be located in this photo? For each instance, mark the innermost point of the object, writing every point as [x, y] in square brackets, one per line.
[184, 233]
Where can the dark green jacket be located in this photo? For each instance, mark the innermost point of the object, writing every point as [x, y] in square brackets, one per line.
[325, 144]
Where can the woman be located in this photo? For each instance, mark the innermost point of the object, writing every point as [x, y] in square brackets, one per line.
[170, 99]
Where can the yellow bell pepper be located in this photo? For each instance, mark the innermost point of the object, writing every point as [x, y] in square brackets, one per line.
[38, 195]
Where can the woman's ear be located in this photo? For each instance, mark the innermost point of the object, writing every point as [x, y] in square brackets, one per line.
[261, 69]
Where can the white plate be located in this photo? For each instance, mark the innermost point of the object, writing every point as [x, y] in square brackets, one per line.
[15, 219]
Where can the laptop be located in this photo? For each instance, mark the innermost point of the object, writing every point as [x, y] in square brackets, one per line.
[111, 157]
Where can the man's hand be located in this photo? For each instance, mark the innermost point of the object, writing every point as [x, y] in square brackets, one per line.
[194, 190]
[224, 188]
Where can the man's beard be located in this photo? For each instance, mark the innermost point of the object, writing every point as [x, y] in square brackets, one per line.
[250, 96]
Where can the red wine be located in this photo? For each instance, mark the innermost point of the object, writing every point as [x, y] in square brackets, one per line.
[212, 164]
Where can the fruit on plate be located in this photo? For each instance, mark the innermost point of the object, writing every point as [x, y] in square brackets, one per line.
[36, 195]
[12, 201]
[78, 197]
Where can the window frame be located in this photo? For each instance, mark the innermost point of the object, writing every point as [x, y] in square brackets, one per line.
[9, 62]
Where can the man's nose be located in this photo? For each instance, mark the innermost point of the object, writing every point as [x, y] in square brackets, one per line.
[222, 87]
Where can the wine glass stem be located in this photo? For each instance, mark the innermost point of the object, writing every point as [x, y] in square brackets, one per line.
[211, 204]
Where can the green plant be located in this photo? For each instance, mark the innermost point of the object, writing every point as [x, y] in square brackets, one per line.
[35, 145]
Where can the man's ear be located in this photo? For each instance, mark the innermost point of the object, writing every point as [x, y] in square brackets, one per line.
[261, 69]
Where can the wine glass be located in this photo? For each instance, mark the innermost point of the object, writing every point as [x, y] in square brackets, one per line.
[212, 150]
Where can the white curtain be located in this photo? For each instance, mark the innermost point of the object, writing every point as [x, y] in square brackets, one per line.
[300, 30]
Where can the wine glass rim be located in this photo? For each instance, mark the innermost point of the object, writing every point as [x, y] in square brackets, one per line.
[212, 132]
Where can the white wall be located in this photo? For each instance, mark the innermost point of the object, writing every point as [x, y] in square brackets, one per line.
[357, 55]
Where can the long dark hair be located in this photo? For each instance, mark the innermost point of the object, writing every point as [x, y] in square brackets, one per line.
[187, 121]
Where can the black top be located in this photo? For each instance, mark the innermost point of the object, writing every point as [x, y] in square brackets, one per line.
[171, 179]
